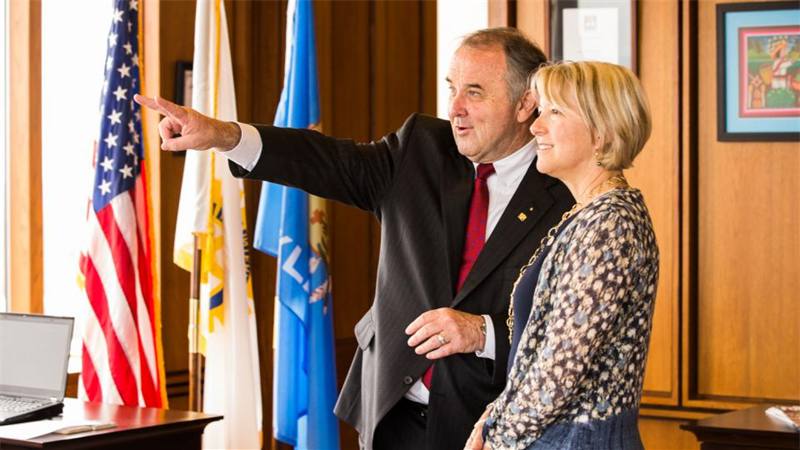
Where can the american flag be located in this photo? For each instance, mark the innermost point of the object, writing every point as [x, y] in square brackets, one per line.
[121, 357]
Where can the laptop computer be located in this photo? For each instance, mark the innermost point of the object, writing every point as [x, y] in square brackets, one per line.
[34, 352]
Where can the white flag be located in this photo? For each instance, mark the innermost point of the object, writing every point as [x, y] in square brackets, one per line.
[212, 205]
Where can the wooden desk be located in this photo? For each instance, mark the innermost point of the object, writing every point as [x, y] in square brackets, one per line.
[137, 428]
[745, 429]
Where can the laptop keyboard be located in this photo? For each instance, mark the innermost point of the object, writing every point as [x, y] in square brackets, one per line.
[18, 405]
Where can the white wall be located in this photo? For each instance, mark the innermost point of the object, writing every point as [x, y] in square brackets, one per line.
[454, 19]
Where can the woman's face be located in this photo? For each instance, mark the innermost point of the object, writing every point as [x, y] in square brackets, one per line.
[565, 144]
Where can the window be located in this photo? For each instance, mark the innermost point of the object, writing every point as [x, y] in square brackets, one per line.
[73, 62]
[454, 19]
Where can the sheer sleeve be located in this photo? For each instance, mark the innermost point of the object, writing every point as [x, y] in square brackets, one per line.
[586, 284]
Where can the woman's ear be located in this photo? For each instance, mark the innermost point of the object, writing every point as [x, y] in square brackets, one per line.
[598, 142]
[526, 106]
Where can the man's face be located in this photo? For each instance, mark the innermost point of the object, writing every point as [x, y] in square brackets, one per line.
[486, 124]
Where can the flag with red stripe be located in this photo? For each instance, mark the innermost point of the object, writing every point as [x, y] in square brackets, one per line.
[122, 355]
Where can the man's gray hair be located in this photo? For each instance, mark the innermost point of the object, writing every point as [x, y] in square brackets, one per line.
[523, 57]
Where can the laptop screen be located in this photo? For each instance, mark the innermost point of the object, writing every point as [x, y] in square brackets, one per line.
[34, 351]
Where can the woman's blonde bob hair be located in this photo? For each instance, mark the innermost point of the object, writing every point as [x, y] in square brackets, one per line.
[610, 100]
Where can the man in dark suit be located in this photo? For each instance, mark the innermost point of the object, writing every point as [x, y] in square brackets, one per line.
[452, 243]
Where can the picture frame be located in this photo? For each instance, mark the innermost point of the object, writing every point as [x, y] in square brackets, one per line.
[758, 71]
[594, 30]
[183, 90]
[183, 83]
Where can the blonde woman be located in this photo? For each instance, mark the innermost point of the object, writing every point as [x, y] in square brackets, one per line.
[581, 309]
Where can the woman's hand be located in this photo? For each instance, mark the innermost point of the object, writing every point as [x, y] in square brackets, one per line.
[475, 441]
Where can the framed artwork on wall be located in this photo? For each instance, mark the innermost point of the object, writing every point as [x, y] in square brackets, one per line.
[596, 30]
[758, 71]
[183, 83]
[183, 89]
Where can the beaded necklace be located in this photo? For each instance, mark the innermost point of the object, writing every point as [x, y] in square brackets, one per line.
[615, 182]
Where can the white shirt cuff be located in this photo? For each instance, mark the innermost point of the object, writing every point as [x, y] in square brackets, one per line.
[248, 150]
[488, 347]
[420, 394]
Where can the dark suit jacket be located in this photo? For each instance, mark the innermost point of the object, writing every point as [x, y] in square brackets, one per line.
[419, 187]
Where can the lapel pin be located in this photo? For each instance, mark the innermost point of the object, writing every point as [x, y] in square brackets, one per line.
[522, 217]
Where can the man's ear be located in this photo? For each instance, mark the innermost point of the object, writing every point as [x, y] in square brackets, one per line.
[526, 106]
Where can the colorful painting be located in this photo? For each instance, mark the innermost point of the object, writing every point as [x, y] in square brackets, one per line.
[770, 56]
[758, 71]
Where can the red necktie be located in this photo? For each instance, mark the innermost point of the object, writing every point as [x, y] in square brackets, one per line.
[475, 237]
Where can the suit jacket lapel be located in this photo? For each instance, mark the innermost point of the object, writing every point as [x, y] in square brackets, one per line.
[456, 188]
[529, 203]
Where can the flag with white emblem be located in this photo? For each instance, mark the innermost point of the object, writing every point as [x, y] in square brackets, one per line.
[212, 208]
[292, 226]
[122, 355]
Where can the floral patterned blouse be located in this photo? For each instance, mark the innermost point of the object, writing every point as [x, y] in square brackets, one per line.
[581, 357]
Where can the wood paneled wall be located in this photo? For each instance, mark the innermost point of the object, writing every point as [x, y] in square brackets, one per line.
[656, 172]
[747, 241]
[726, 330]
[376, 66]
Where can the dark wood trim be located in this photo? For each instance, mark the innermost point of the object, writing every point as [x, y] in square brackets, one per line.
[689, 142]
[676, 412]
[72, 385]
[731, 402]
[678, 207]
[177, 383]
[648, 395]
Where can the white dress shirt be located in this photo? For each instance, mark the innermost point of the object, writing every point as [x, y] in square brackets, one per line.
[502, 184]
[508, 174]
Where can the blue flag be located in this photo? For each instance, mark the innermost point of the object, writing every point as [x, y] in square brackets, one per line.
[292, 226]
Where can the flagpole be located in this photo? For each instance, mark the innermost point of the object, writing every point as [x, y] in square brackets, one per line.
[195, 358]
